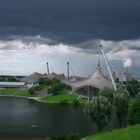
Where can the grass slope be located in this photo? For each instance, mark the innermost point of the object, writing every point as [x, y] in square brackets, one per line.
[130, 133]
[14, 92]
[62, 96]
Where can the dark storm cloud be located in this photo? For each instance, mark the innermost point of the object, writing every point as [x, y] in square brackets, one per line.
[71, 21]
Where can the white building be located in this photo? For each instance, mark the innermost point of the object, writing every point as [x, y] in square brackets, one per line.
[12, 85]
[125, 76]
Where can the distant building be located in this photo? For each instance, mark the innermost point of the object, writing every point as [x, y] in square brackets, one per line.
[137, 79]
[32, 80]
[12, 84]
[126, 76]
[57, 76]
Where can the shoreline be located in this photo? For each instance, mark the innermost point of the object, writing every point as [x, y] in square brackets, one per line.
[29, 98]
[34, 98]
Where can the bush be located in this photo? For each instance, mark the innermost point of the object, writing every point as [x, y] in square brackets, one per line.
[32, 90]
[134, 112]
[73, 136]
[60, 137]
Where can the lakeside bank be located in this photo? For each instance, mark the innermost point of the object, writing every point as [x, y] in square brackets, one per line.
[64, 97]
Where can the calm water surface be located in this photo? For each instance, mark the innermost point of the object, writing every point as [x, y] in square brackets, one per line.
[17, 115]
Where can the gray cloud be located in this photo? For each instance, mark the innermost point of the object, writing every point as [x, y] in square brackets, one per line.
[89, 46]
[32, 52]
[71, 21]
[35, 30]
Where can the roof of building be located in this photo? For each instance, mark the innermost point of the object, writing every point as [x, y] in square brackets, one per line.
[57, 76]
[33, 78]
[97, 80]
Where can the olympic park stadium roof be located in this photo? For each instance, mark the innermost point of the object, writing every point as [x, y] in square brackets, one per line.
[97, 80]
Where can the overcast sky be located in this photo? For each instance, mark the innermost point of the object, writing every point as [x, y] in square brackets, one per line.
[33, 32]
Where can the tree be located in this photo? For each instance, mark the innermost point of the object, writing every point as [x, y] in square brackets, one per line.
[55, 88]
[108, 93]
[99, 111]
[45, 81]
[134, 112]
[32, 90]
[133, 88]
[54, 80]
[138, 95]
[121, 107]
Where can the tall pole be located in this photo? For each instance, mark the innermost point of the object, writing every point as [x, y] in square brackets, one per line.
[88, 93]
[48, 68]
[108, 68]
[68, 73]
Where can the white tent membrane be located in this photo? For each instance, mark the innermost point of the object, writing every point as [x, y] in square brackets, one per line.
[97, 80]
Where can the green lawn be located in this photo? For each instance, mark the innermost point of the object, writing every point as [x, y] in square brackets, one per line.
[130, 133]
[14, 92]
[63, 96]
[22, 138]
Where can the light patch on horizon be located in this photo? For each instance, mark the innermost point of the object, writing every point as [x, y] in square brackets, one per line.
[25, 55]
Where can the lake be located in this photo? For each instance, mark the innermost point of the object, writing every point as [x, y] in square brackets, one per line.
[17, 115]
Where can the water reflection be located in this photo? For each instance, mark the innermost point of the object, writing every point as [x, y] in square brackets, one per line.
[17, 115]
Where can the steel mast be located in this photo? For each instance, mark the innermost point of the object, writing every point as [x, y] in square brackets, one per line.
[48, 69]
[108, 68]
[68, 72]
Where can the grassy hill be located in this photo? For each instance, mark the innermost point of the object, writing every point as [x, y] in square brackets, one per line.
[62, 96]
[129, 133]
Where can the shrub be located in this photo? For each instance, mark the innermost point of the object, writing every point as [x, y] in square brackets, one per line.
[73, 136]
[31, 91]
[134, 112]
[60, 137]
